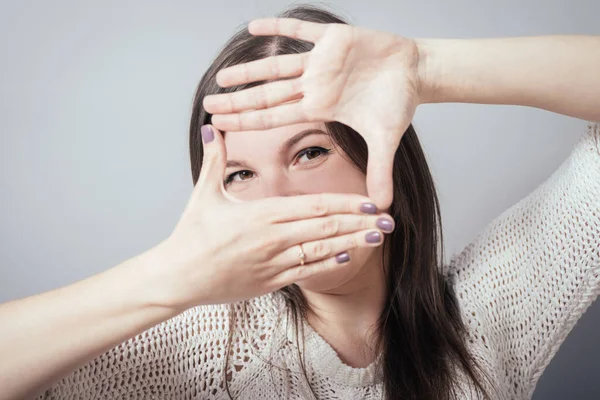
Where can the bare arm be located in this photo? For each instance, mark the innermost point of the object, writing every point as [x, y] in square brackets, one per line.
[558, 73]
[43, 337]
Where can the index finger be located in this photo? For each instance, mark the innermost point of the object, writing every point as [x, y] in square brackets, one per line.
[290, 27]
[286, 209]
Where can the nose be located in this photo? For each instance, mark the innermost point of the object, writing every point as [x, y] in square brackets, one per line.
[280, 184]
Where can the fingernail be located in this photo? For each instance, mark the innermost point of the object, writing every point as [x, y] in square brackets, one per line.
[207, 134]
[373, 237]
[342, 257]
[385, 224]
[368, 208]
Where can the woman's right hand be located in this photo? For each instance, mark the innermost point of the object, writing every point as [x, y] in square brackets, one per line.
[223, 250]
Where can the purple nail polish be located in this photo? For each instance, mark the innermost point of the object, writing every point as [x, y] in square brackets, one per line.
[207, 134]
[342, 257]
[385, 224]
[368, 208]
[373, 237]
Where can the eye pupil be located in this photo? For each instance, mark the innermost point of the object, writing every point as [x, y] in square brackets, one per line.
[312, 153]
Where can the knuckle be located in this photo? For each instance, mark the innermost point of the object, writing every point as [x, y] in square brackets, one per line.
[234, 102]
[330, 227]
[266, 120]
[267, 245]
[366, 222]
[297, 85]
[304, 61]
[261, 98]
[320, 208]
[246, 73]
[351, 242]
[208, 158]
[297, 29]
[274, 66]
[320, 250]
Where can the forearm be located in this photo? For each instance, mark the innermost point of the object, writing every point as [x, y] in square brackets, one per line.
[559, 73]
[46, 336]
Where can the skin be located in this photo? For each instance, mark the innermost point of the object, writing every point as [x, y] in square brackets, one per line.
[344, 303]
[86, 318]
[222, 250]
[378, 99]
[375, 89]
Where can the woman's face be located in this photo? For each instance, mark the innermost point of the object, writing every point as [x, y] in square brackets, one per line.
[294, 160]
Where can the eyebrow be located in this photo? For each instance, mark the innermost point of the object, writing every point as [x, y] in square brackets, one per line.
[288, 144]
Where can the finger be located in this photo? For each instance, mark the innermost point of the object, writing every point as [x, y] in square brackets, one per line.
[290, 27]
[325, 248]
[269, 68]
[256, 98]
[335, 258]
[380, 174]
[300, 273]
[285, 209]
[281, 115]
[214, 160]
[314, 229]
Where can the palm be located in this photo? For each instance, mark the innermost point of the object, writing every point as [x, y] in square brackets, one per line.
[348, 79]
[362, 78]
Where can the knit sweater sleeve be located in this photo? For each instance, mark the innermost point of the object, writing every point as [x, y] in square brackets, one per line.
[176, 359]
[182, 358]
[525, 281]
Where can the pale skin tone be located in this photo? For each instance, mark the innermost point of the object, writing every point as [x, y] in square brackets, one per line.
[375, 91]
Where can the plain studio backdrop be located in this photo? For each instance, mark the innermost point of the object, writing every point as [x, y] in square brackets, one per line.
[95, 99]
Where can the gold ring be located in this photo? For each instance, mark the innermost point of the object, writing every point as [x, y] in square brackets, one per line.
[302, 255]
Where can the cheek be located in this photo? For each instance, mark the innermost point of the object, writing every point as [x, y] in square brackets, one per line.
[335, 176]
[249, 193]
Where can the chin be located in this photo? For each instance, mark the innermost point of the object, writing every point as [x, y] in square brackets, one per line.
[334, 281]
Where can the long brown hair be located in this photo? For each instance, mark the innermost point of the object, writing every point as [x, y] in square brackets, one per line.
[420, 330]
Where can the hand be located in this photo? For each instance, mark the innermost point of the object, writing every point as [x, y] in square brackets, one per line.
[224, 250]
[362, 78]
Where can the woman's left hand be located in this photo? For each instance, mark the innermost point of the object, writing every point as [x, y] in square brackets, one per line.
[365, 79]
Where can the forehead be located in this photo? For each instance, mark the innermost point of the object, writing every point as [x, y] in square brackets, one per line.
[241, 142]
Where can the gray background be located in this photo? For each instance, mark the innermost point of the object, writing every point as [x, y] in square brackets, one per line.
[94, 105]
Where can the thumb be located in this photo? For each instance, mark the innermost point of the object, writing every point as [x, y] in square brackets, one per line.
[379, 174]
[214, 160]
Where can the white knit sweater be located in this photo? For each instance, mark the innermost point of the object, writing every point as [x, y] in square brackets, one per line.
[522, 284]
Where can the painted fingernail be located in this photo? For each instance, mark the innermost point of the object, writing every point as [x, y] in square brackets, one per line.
[373, 237]
[342, 257]
[368, 208]
[207, 134]
[385, 224]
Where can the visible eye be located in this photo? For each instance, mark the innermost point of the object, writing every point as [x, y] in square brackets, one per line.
[238, 176]
[310, 153]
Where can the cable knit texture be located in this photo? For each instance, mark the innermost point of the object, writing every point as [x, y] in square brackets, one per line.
[522, 284]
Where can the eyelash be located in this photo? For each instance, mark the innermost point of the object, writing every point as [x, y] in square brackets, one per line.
[324, 151]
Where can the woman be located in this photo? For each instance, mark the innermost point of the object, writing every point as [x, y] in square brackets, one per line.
[269, 288]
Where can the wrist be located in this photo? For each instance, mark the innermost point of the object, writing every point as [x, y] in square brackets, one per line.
[170, 273]
[429, 71]
[151, 271]
[455, 71]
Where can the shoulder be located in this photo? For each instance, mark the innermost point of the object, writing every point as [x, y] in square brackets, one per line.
[572, 188]
[528, 276]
